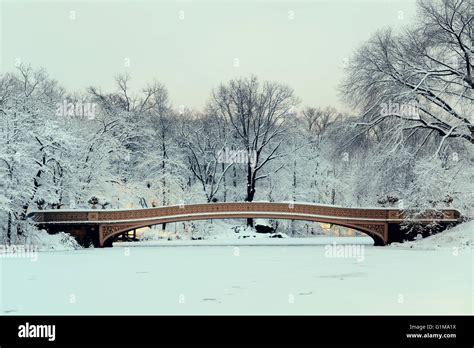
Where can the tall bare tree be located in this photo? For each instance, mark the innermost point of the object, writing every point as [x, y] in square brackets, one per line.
[204, 137]
[257, 112]
[317, 119]
[428, 66]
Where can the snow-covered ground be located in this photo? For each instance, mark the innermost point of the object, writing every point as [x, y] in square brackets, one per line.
[458, 237]
[267, 276]
[231, 231]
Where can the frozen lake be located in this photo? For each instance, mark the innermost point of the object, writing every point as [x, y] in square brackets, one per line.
[298, 276]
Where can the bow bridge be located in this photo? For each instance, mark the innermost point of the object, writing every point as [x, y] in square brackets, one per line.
[100, 226]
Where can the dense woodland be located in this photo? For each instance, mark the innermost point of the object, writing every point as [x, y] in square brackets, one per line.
[407, 140]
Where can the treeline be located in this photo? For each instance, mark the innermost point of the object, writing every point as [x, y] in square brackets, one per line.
[407, 141]
[253, 141]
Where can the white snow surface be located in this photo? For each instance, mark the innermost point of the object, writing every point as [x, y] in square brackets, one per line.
[265, 276]
[213, 232]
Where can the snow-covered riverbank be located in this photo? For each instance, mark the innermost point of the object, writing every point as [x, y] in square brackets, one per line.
[458, 237]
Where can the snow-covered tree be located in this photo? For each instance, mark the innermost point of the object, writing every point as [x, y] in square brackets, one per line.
[258, 114]
[422, 77]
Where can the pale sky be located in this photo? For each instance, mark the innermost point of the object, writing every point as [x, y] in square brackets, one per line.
[192, 46]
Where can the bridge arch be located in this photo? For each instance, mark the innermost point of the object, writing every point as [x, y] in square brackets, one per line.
[107, 232]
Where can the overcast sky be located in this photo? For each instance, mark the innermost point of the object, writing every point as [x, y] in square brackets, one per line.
[192, 46]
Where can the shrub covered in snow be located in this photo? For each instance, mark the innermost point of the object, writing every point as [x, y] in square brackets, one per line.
[45, 241]
[459, 237]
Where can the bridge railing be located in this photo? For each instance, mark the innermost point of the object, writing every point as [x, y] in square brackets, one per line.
[374, 214]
